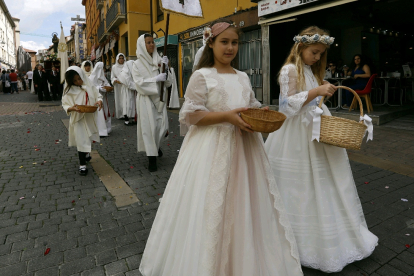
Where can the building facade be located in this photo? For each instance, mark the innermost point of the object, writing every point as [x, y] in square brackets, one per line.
[7, 41]
[23, 60]
[92, 23]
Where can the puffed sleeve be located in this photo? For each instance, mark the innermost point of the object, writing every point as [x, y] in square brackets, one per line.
[194, 107]
[290, 100]
[66, 103]
[254, 103]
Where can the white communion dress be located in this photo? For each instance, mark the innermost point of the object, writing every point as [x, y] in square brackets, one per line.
[116, 71]
[316, 184]
[221, 213]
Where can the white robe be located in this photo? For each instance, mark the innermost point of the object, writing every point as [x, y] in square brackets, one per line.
[128, 90]
[103, 119]
[221, 213]
[152, 126]
[316, 184]
[174, 98]
[82, 126]
[116, 70]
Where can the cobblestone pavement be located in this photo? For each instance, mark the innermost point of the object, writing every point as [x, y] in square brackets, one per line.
[45, 204]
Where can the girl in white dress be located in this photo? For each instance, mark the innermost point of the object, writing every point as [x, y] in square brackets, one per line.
[152, 120]
[221, 213]
[315, 179]
[99, 80]
[129, 91]
[116, 70]
[82, 126]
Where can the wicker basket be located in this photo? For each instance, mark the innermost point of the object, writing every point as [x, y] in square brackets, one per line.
[263, 120]
[87, 108]
[342, 132]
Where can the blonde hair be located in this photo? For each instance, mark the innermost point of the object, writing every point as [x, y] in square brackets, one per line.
[295, 57]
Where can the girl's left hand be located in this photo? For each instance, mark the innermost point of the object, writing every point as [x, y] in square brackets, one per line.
[265, 108]
[99, 103]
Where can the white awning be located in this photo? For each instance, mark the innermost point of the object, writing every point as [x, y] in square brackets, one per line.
[270, 21]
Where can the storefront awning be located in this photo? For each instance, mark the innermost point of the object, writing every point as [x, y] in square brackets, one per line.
[275, 19]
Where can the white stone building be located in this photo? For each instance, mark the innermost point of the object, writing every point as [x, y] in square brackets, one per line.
[8, 53]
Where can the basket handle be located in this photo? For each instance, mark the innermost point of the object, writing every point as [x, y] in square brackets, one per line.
[361, 109]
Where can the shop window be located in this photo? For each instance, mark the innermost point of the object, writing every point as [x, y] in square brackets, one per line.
[160, 13]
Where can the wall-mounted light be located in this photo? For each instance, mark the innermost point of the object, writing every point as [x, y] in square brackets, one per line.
[364, 37]
[336, 45]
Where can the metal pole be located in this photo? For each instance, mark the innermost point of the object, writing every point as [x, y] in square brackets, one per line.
[151, 22]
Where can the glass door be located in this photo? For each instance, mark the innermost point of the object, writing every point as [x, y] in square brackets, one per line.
[188, 51]
[250, 60]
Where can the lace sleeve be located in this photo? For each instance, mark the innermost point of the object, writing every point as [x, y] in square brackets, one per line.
[194, 107]
[290, 102]
[254, 103]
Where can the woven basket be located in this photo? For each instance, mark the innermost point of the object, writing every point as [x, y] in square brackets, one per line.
[263, 120]
[87, 108]
[342, 132]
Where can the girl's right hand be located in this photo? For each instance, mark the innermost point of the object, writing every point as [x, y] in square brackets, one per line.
[326, 90]
[234, 118]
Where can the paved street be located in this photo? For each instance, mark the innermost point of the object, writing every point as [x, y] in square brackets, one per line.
[45, 204]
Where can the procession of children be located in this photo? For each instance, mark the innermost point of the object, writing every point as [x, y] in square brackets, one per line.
[234, 204]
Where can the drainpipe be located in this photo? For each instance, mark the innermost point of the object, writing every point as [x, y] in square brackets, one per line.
[152, 31]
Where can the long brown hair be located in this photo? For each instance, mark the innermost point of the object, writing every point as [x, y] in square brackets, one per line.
[295, 57]
[207, 58]
[69, 76]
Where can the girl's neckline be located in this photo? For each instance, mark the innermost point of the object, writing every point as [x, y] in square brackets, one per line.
[235, 72]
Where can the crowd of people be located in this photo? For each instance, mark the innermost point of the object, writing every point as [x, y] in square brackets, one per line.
[13, 81]
[233, 205]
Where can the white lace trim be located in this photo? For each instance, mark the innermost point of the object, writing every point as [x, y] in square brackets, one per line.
[336, 263]
[278, 204]
[216, 192]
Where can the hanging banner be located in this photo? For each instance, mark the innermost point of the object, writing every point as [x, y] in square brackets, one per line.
[266, 7]
[93, 54]
[190, 8]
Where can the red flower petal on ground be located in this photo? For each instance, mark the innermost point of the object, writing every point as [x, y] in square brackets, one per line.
[366, 182]
[47, 251]
[73, 201]
[28, 132]
[407, 245]
[131, 167]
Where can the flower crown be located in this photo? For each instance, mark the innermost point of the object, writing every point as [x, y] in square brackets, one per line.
[218, 27]
[316, 38]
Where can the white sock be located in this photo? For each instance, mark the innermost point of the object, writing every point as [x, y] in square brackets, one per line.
[82, 167]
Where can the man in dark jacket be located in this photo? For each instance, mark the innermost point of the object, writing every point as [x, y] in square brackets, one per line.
[40, 81]
[54, 80]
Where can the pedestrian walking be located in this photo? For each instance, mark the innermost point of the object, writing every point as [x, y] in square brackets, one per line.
[29, 75]
[152, 125]
[128, 92]
[5, 79]
[221, 212]
[315, 179]
[82, 126]
[108, 75]
[98, 80]
[87, 67]
[116, 70]
[54, 81]
[40, 82]
[13, 82]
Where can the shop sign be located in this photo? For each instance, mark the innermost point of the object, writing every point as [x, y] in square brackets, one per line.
[192, 34]
[266, 7]
[172, 40]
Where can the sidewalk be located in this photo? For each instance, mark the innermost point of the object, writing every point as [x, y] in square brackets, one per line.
[44, 203]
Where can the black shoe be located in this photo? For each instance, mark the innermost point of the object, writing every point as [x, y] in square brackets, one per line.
[160, 154]
[128, 123]
[152, 165]
[88, 159]
[83, 172]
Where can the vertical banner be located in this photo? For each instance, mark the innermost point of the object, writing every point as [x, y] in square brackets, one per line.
[63, 55]
[190, 8]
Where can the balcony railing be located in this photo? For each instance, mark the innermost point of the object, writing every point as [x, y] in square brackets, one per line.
[116, 14]
[101, 31]
[99, 4]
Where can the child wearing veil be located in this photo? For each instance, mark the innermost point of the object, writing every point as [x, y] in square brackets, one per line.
[82, 126]
[128, 92]
[99, 80]
[152, 118]
[116, 71]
